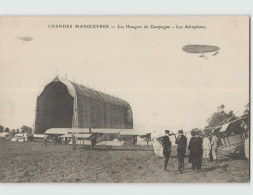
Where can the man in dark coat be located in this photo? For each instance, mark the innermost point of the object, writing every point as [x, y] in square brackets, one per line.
[93, 141]
[166, 143]
[73, 141]
[181, 141]
[195, 147]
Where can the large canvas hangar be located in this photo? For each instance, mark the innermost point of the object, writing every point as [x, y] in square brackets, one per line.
[64, 104]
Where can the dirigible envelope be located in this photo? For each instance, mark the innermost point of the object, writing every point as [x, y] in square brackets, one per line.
[25, 38]
[200, 48]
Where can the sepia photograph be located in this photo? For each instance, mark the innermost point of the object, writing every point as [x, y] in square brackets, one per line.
[125, 99]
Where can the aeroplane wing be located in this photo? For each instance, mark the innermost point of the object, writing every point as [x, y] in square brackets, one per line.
[110, 143]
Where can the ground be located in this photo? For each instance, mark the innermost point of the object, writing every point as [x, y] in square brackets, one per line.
[30, 162]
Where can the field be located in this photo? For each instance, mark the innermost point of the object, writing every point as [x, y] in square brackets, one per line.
[30, 162]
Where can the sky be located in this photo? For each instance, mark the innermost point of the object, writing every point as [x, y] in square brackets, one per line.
[166, 87]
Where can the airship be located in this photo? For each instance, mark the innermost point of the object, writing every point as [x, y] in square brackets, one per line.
[201, 49]
[25, 38]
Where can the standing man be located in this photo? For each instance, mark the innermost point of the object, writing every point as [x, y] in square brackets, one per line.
[148, 138]
[214, 144]
[195, 147]
[45, 140]
[73, 141]
[210, 154]
[206, 149]
[93, 141]
[13, 133]
[200, 140]
[166, 143]
[181, 142]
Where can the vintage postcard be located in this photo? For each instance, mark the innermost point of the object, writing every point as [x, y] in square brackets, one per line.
[154, 99]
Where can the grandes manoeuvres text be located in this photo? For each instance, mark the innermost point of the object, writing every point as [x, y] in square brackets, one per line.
[126, 26]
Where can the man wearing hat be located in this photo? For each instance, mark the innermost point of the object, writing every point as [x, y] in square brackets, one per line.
[195, 148]
[181, 142]
[166, 143]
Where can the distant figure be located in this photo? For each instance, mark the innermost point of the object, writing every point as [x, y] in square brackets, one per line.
[13, 133]
[214, 145]
[210, 154]
[93, 141]
[246, 146]
[134, 140]
[148, 137]
[31, 137]
[45, 140]
[55, 139]
[181, 141]
[166, 143]
[73, 141]
[206, 149]
[195, 147]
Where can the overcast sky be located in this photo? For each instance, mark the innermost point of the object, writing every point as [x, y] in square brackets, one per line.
[166, 87]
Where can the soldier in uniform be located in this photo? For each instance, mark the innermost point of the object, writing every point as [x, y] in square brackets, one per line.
[195, 147]
[181, 141]
[166, 143]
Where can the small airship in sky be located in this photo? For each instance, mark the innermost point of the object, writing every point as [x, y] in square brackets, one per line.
[201, 49]
[25, 38]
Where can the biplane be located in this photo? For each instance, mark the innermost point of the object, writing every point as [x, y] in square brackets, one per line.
[64, 135]
[232, 137]
[102, 137]
[107, 137]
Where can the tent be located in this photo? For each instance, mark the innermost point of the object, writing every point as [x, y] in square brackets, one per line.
[4, 134]
[64, 104]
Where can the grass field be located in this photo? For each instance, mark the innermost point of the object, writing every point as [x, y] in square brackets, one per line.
[30, 162]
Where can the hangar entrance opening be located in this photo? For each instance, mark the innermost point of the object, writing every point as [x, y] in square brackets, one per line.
[54, 108]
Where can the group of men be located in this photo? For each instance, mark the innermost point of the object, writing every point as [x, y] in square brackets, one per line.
[199, 148]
